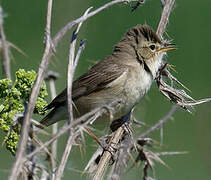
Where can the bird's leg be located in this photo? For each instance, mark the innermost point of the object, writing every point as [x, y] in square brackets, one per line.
[119, 122]
[103, 144]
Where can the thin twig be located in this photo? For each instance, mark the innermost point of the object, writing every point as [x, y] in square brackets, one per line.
[66, 153]
[5, 49]
[52, 76]
[69, 25]
[159, 123]
[34, 94]
[54, 128]
[72, 134]
[171, 153]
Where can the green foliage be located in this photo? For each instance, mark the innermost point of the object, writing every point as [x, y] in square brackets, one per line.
[13, 97]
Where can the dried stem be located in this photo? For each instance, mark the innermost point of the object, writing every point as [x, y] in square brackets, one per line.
[54, 128]
[66, 153]
[122, 159]
[104, 160]
[52, 76]
[72, 66]
[165, 17]
[34, 94]
[71, 71]
[160, 123]
[5, 49]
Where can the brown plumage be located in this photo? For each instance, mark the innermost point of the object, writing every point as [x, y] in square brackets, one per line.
[126, 74]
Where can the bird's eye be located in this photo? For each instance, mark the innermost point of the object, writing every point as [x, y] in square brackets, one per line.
[152, 47]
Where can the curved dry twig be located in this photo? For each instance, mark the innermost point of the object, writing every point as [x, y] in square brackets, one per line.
[159, 123]
[69, 25]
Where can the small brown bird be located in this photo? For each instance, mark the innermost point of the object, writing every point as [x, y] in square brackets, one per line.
[125, 75]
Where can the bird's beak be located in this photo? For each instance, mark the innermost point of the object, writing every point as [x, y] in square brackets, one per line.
[167, 47]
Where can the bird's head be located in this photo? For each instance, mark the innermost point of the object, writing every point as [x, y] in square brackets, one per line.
[146, 45]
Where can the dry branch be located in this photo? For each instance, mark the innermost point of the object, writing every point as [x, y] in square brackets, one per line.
[159, 123]
[52, 76]
[33, 97]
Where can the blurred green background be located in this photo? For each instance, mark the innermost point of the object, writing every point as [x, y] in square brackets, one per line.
[190, 29]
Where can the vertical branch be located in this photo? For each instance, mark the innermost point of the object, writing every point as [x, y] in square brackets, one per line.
[34, 94]
[66, 153]
[54, 127]
[103, 164]
[5, 49]
[71, 70]
[165, 16]
[52, 76]
[72, 66]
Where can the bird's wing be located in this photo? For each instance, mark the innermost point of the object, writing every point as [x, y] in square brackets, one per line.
[94, 80]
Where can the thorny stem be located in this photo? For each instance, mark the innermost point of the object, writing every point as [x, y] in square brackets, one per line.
[104, 160]
[159, 123]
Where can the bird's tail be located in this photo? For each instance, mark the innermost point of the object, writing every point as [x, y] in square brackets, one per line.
[57, 114]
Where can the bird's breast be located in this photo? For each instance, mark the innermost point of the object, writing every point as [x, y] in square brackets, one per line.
[137, 85]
